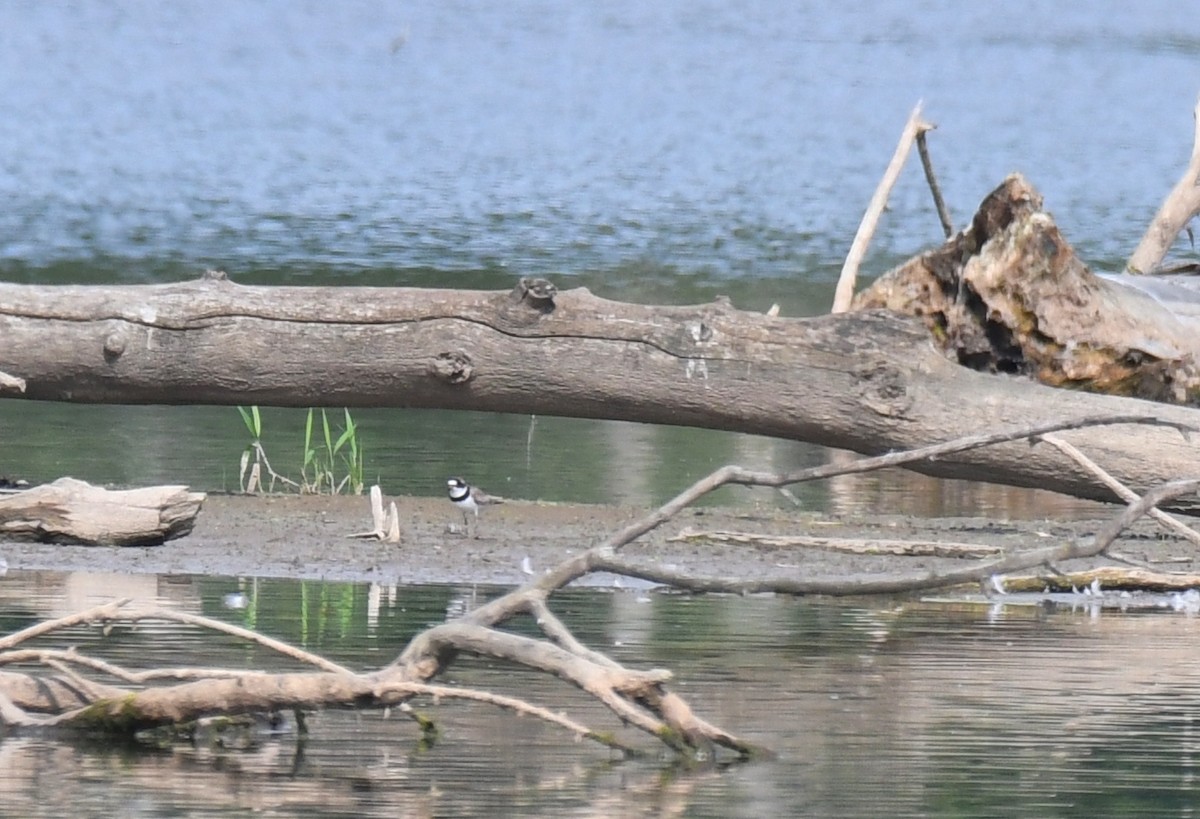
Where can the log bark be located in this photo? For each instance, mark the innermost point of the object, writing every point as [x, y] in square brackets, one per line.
[71, 511]
[869, 381]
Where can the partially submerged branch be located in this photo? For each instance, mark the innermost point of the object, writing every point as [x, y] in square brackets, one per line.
[642, 699]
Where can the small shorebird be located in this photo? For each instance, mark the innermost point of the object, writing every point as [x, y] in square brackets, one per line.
[468, 498]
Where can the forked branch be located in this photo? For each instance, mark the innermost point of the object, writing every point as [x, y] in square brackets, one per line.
[639, 698]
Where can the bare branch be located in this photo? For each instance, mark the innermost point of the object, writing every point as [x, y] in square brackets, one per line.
[938, 202]
[866, 229]
[73, 657]
[892, 584]
[1121, 490]
[237, 631]
[440, 692]
[107, 611]
[1180, 206]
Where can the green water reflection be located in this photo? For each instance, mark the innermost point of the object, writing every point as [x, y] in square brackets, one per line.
[875, 707]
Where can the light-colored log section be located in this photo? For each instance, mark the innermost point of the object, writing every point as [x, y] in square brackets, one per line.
[71, 511]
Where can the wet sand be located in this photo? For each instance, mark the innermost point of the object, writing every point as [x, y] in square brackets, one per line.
[307, 537]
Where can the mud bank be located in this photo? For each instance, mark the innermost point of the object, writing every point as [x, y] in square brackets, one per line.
[307, 537]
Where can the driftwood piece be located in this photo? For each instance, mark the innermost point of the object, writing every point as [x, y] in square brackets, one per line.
[11, 384]
[863, 546]
[1110, 578]
[844, 293]
[1180, 207]
[385, 526]
[1009, 295]
[71, 511]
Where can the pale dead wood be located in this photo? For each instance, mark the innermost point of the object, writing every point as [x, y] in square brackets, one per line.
[385, 526]
[11, 384]
[865, 381]
[1111, 578]
[1124, 492]
[862, 546]
[844, 294]
[1008, 294]
[71, 511]
[278, 646]
[1180, 206]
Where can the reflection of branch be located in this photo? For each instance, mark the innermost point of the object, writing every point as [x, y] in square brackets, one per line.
[245, 634]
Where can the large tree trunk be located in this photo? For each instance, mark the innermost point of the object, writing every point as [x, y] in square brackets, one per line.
[869, 382]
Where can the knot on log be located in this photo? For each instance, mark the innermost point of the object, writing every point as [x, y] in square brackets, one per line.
[536, 293]
[452, 367]
[882, 388]
[114, 345]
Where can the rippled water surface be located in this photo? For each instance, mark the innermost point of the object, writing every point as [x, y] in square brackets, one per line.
[659, 152]
[874, 707]
[663, 152]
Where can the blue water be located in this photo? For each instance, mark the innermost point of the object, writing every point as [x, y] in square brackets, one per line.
[662, 153]
[366, 140]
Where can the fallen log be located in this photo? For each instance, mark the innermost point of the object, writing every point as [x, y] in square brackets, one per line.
[71, 511]
[871, 381]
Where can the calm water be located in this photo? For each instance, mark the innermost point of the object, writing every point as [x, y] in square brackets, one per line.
[664, 152]
[660, 153]
[876, 708]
